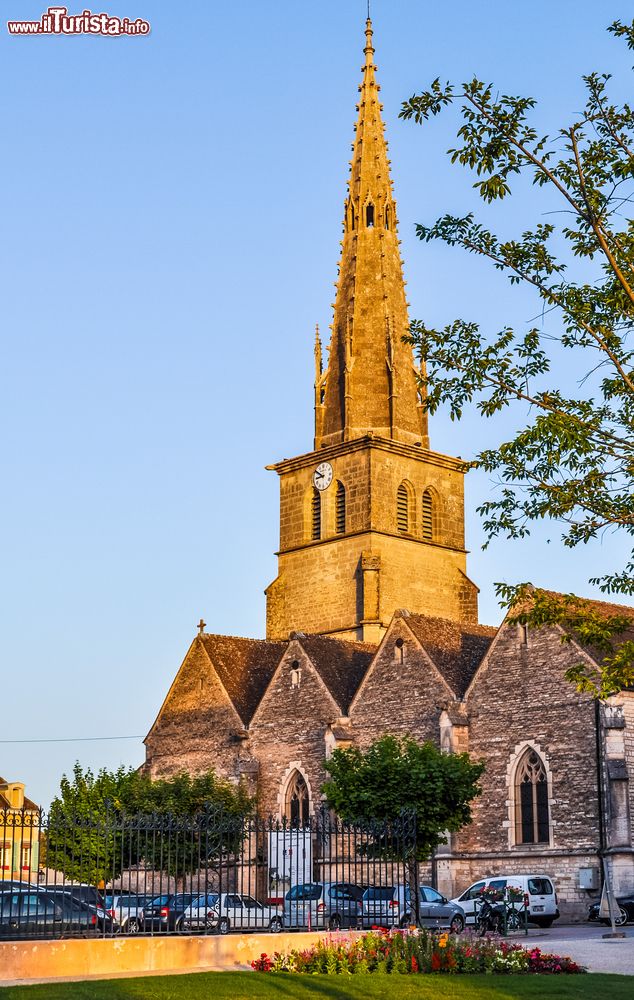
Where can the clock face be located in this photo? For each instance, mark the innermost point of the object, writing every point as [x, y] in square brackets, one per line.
[322, 476]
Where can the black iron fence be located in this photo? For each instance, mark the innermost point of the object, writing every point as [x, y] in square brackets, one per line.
[107, 874]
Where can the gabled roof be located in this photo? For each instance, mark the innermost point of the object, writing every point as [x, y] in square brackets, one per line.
[456, 648]
[341, 664]
[603, 609]
[5, 802]
[245, 668]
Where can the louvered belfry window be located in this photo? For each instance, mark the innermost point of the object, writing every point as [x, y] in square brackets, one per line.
[316, 515]
[428, 516]
[340, 509]
[532, 821]
[402, 509]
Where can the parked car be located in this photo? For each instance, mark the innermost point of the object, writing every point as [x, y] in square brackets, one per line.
[391, 906]
[626, 910]
[227, 911]
[38, 913]
[323, 904]
[165, 913]
[78, 890]
[128, 910]
[538, 891]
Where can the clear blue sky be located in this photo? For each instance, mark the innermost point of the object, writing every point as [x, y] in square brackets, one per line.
[171, 215]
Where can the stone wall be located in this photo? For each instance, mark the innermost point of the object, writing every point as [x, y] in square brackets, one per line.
[321, 585]
[520, 698]
[197, 725]
[402, 693]
[288, 731]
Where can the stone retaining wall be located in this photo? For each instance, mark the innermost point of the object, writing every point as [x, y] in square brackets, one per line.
[104, 957]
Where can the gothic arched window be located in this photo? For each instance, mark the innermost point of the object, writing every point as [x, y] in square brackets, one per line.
[369, 215]
[402, 509]
[428, 516]
[297, 802]
[315, 533]
[387, 216]
[340, 509]
[532, 819]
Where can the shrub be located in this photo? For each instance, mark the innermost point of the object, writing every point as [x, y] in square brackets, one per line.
[416, 951]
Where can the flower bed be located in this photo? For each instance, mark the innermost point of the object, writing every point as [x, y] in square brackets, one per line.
[415, 951]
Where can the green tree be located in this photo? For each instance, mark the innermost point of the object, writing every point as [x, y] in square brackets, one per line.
[573, 460]
[102, 823]
[394, 777]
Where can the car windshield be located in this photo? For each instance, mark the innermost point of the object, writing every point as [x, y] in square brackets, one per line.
[374, 892]
[209, 900]
[308, 890]
[183, 899]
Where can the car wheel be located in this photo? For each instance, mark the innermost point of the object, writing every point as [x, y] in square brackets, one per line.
[276, 925]
[457, 924]
[132, 926]
[224, 926]
[406, 921]
[334, 924]
[622, 917]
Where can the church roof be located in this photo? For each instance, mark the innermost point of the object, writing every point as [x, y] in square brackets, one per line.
[456, 648]
[244, 666]
[603, 609]
[341, 664]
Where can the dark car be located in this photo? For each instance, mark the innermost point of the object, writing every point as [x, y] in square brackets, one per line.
[79, 891]
[38, 913]
[165, 913]
[626, 910]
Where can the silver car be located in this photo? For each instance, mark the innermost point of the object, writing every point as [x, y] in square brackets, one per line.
[391, 906]
[320, 905]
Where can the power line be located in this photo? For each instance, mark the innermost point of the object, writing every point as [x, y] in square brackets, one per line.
[76, 739]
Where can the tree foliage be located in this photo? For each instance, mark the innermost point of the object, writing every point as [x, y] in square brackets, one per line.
[573, 461]
[102, 823]
[394, 777]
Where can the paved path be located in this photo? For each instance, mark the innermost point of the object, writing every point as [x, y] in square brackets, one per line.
[585, 944]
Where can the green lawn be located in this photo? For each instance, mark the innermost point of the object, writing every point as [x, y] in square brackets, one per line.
[252, 986]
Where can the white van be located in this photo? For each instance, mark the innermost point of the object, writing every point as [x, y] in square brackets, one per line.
[540, 890]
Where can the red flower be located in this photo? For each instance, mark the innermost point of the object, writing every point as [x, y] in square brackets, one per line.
[436, 962]
[415, 967]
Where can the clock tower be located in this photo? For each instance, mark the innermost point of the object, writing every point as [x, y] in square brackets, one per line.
[371, 519]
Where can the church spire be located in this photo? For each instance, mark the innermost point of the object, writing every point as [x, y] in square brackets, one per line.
[370, 383]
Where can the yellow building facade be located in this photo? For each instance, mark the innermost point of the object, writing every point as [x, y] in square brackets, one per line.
[19, 833]
[371, 519]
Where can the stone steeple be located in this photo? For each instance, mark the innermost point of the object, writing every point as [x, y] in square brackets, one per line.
[370, 382]
[371, 520]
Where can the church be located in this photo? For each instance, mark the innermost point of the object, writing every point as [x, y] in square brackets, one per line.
[372, 620]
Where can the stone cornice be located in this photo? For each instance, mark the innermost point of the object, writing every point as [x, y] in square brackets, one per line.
[368, 442]
[370, 531]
